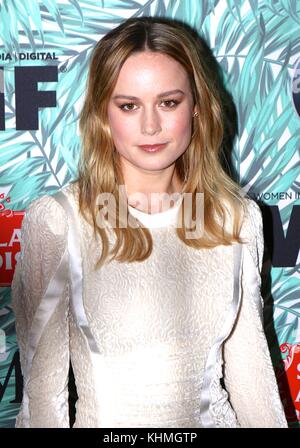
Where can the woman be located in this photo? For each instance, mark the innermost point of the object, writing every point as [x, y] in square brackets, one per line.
[147, 312]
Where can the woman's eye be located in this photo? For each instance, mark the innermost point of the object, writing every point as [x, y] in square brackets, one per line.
[123, 106]
[168, 103]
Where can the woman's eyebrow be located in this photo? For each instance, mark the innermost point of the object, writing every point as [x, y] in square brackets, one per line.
[160, 95]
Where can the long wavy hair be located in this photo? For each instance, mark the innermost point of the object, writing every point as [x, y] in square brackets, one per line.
[199, 167]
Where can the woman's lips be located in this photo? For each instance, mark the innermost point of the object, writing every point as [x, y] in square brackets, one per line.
[153, 148]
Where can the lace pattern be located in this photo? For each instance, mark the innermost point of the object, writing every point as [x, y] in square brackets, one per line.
[220, 407]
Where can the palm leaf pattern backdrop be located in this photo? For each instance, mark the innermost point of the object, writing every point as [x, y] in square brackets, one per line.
[255, 42]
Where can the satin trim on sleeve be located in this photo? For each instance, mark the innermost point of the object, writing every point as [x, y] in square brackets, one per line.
[214, 355]
[41, 318]
[75, 261]
[76, 276]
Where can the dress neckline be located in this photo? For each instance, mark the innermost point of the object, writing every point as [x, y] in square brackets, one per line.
[158, 220]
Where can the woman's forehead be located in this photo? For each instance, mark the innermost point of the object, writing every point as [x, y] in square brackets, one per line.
[156, 69]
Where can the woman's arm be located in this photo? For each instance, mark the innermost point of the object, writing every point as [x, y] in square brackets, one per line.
[41, 305]
[248, 371]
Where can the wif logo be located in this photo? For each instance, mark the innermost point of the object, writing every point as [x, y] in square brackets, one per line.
[296, 87]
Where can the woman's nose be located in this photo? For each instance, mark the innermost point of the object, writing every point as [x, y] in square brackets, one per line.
[150, 122]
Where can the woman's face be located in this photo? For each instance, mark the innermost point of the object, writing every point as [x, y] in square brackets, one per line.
[155, 115]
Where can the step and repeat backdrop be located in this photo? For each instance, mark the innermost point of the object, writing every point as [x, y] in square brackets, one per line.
[45, 47]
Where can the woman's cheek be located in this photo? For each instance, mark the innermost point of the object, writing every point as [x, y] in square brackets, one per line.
[122, 127]
[180, 125]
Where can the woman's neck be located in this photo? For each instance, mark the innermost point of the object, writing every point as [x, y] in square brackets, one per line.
[152, 192]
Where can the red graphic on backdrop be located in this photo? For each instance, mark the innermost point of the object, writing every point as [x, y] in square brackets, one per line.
[289, 381]
[10, 225]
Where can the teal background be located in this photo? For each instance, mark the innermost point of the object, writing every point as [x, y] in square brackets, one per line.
[257, 45]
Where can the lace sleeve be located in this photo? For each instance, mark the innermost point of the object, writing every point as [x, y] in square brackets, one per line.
[248, 371]
[41, 319]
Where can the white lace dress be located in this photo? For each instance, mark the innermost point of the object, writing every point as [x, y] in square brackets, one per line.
[148, 341]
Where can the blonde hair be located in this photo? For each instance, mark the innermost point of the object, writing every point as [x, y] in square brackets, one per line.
[200, 166]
